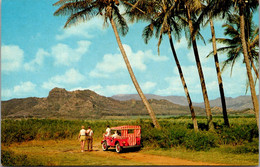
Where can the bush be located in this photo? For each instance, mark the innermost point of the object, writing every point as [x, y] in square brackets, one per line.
[177, 135]
[200, 140]
[8, 158]
[238, 134]
[173, 132]
[249, 147]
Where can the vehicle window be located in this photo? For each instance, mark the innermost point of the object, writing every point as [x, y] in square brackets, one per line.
[130, 131]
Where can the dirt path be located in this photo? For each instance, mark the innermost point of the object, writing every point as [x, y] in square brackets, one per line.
[148, 159]
[68, 148]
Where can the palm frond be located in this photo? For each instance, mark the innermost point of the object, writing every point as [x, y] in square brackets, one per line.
[120, 21]
[147, 33]
[81, 16]
[71, 8]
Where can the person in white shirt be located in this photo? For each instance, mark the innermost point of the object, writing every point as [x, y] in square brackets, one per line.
[82, 137]
[89, 133]
[108, 131]
[115, 134]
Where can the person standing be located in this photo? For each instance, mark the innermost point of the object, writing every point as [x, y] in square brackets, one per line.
[108, 131]
[82, 137]
[89, 133]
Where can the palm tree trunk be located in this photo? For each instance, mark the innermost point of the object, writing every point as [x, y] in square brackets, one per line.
[201, 76]
[248, 68]
[254, 68]
[194, 120]
[252, 62]
[220, 84]
[129, 68]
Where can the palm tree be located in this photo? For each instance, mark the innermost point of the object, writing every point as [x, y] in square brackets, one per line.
[84, 10]
[243, 6]
[234, 48]
[189, 10]
[163, 20]
[233, 44]
[210, 13]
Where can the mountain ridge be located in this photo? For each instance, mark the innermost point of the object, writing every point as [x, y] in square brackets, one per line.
[237, 103]
[61, 103]
[87, 104]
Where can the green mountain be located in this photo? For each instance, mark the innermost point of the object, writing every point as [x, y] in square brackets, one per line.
[85, 104]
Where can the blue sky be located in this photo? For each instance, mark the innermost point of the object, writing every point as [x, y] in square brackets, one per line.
[37, 54]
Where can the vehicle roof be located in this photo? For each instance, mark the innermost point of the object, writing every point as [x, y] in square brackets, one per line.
[126, 127]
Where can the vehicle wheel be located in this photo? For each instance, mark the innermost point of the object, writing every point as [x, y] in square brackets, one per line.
[118, 148]
[104, 146]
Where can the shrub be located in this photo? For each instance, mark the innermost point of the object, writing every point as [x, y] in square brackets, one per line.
[238, 134]
[248, 147]
[177, 135]
[201, 140]
[8, 158]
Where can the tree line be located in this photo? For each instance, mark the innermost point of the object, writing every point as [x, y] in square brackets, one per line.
[170, 17]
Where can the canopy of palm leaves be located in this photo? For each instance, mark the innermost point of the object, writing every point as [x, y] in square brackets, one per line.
[84, 10]
[233, 47]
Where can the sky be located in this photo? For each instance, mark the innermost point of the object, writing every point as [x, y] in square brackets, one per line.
[38, 54]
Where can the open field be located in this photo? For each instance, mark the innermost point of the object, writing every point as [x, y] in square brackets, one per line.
[54, 142]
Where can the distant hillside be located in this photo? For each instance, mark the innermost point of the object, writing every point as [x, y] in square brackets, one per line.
[174, 99]
[85, 104]
[238, 103]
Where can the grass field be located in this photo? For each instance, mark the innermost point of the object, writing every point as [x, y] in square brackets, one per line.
[54, 143]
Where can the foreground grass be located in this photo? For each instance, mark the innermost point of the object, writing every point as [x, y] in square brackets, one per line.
[67, 152]
[64, 153]
[214, 155]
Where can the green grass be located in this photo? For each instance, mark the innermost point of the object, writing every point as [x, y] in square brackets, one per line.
[214, 155]
[64, 153]
[52, 142]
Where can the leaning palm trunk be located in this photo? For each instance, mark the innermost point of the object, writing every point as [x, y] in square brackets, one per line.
[201, 76]
[220, 84]
[248, 68]
[194, 120]
[251, 57]
[252, 63]
[147, 105]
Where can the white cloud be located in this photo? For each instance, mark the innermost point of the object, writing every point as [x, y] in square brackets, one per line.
[182, 43]
[120, 89]
[11, 58]
[24, 89]
[71, 77]
[112, 63]
[38, 61]
[86, 30]
[148, 86]
[233, 86]
[64, 55]
[110, 90]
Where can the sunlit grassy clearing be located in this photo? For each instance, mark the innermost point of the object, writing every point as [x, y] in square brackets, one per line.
[214, 155]
[66, 152]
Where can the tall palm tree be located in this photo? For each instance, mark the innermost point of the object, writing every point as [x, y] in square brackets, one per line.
[210, 12]
[190, 9]
[164, 22]
[243, 6]
[233, 44]
[86, 9]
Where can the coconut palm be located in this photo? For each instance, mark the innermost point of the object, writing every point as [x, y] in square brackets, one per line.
[210, 13]
[84, 10]
[162, 21]
[233, 44]
[190, 9]
[245, 6]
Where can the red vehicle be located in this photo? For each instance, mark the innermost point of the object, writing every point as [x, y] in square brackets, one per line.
[128, 136]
